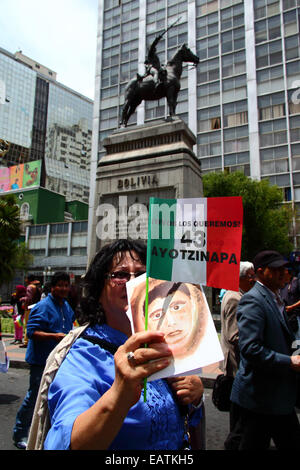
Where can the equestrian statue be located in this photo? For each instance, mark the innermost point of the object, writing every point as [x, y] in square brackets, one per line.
[158, 81]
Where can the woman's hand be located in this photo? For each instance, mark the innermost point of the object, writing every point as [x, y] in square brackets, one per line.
[96, 427]
[129, 374]
[189, 389]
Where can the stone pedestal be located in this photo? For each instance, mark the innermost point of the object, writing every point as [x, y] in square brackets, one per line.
[151, 160]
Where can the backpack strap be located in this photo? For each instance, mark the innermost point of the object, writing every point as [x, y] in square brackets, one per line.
[40, 423]
[110, 347]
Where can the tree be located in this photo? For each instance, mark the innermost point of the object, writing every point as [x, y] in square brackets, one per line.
[266, 220]
[13, 254]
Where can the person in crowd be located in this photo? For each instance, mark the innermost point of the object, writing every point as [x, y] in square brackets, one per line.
[266, 384]
[102, 406]
[50, 320]
[74, 296]
[18, 314]
[290, 294]
[32, 296]
[46, 289]
[230, 341]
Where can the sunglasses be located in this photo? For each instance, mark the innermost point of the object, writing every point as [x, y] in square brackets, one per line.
[123, 276]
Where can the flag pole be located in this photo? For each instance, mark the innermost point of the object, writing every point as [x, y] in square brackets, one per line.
[146, 328]
[147, 283]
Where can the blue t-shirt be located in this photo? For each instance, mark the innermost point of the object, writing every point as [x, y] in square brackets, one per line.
[85, 375]
[49, 316]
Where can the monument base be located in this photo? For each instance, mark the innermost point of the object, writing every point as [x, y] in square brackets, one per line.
[151, 160]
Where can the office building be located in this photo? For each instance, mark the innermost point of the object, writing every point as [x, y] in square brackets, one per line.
[243, 99]
[43, 120]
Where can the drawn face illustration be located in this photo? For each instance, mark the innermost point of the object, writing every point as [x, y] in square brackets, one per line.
[172, 315]
[177, 309]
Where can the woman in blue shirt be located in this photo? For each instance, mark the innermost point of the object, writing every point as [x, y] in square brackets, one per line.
[95, 400]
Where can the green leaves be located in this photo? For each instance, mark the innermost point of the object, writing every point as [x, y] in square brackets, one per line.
[266, 220]
[10, 232]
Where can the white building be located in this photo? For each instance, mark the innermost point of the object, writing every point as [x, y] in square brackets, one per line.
[242, 101]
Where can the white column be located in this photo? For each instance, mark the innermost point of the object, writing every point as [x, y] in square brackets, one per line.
[47, 240]
[252, 91]
[192, 74]
[142, 55]
[69, 239]
[95, 137]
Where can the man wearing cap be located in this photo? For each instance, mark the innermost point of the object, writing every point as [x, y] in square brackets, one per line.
[266, 384]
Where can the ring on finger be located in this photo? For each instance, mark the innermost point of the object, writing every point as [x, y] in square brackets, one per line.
[131, 358]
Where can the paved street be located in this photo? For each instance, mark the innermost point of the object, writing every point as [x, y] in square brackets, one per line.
[13, 386]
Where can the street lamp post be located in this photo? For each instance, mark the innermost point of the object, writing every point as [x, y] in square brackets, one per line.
[47, 273]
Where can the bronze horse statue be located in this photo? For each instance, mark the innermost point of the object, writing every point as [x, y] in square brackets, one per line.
[138, 90]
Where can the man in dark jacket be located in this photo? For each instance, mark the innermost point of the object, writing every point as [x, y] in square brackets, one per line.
[266, 384]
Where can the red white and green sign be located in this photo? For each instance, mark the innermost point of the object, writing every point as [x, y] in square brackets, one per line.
[196, 240]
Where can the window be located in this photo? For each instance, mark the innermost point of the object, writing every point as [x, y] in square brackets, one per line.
[79, 251]
[234, 89]
[295, 128]
[234, 64]
[59, 228]
[235, 114]
[293, 68]
[290, 21]
[274, 160]
[274, 153]
[109, 118]
[296, 157]
[209, 144]
[110, 57]
[233, 40]
[209, 94]
[208, 71]
[207, 25]
[271, 106]
[268, 29]
[206, 7]
[294, 101]
[211, 163]
[286, 4]
[280, 166]
[58, 252]
[236, 159]
[24, 211]
[236, 139]
[207, 48]
[127, 71]
[209, 119]
[271, 73]
[78, 227]
[266, 8]
[292, 45]
[268, 54]
[273, 133]
[36, 230]
[232, 17]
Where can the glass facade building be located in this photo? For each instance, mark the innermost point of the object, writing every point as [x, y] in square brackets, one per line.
[41, 119]
[243, 100]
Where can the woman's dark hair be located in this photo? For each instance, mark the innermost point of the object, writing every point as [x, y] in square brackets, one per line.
[89, 308]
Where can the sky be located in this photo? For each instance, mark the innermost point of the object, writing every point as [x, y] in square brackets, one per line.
[59, 34]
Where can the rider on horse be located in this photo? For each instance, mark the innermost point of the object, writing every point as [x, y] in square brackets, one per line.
[152, 64]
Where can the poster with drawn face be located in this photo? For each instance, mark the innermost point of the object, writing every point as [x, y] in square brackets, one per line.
[32, 174]
[4, 179]
[16, 176]
[181, 311]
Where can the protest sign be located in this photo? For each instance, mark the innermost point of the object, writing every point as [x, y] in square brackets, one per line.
[181, 311]
[196, 240]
